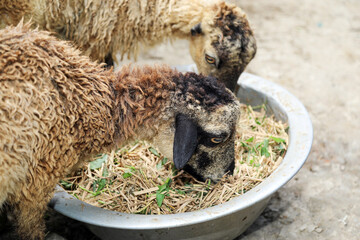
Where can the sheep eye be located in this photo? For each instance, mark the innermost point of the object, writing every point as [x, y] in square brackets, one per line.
[216, 140]
[209, 59]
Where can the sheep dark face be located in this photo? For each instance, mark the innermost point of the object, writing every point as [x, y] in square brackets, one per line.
[223, 44]
[202, 145]
[205, 147]
[195, 128]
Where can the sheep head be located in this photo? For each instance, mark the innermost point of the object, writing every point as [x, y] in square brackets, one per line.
[222, 44]
[190, 117]
[205, 148]
[202, 127]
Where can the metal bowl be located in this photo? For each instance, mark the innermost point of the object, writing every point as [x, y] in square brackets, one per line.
[224, 221]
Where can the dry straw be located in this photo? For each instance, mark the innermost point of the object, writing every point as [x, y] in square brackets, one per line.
[138, 179]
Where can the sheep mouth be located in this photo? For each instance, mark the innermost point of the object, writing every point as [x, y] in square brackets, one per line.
[190, 170]
[198, 176]
[230, 80]
[231, 83]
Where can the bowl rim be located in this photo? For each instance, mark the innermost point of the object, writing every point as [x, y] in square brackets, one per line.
[300, 141]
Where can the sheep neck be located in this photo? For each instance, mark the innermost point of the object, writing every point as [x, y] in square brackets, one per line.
[184, 15]
[142, 99]
[160, 21]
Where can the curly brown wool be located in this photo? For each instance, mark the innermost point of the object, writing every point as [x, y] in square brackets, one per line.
[103, 29]
[50, 114]
[203, 89]
[58, 108]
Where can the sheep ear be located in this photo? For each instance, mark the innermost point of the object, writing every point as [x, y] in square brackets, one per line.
[185, 140]
[196, 29]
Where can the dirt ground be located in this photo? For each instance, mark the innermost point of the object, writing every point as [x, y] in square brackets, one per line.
[311, 48]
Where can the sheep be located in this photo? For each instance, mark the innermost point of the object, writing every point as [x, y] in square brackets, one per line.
[221, 40]
[58, 108]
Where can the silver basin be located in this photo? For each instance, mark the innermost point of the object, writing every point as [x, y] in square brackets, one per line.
[224, 221]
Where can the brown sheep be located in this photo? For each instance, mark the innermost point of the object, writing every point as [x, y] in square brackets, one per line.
[58, 108]
[221, 40]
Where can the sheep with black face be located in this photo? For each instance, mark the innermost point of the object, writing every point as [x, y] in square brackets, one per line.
[199, 121]
[58, 108]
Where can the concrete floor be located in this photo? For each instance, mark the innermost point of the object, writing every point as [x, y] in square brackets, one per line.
[311, 48]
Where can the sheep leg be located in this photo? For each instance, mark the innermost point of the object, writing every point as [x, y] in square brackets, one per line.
[31, 208]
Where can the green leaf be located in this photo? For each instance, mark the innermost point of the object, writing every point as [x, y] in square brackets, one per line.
[180, 191]
[262, 106]
[105, 172]
[98, 185]
[159, 199]
[93, 193]
[265, 152]
[245, 145]
[164, 161]
[257, 121]
[189, 185]
[153, 151]
[266, 143]
[66, 184]
[162, 188]
[258, 145]
[94, 185]
[161, 163]
[282, 149]
[278, 140]
[127, 174]
[162, 191]
[264, 149]
[101, 184]
[250, 139]
[96, 164]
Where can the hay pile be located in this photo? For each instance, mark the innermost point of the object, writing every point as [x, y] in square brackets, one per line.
[139, 179]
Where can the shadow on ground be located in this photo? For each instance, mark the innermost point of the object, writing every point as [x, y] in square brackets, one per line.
[58, 227]
[273, 212]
